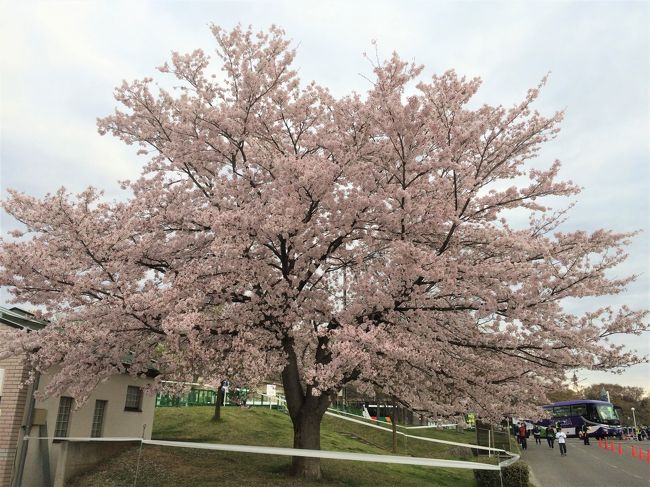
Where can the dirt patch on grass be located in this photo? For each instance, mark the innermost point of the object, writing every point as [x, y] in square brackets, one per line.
[162, 467]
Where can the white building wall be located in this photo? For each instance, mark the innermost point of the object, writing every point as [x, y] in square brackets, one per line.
[117, 421]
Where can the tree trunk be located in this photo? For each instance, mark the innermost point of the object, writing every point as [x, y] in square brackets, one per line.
[306, 412]
[306, 435]
[217, 404]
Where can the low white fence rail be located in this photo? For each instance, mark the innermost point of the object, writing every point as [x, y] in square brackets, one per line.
[294, 452]
[328, 454]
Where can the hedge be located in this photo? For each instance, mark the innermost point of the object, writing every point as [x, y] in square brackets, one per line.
[515, 475]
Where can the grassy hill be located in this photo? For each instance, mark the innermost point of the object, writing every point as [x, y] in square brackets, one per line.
[166, 466]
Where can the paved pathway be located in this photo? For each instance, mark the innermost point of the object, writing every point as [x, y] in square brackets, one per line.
[588, 466]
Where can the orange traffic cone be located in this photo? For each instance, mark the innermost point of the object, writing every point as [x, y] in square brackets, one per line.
[633, 451]
[641, 454]
[620, 450]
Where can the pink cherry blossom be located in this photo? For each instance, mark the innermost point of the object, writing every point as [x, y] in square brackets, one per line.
[277, 230]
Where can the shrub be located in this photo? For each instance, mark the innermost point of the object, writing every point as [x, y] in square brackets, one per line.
[515, 475]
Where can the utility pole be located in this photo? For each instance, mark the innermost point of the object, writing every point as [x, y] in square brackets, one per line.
[394, 423]
[345, 305]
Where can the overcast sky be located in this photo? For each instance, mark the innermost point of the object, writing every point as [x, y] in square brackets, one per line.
[60, 61]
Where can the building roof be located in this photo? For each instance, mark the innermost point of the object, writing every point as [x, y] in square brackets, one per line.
[21, 319]
[18, 318]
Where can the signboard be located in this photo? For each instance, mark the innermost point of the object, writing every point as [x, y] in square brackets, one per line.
[270, 390]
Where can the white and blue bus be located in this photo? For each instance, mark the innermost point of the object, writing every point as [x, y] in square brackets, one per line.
[600, 417]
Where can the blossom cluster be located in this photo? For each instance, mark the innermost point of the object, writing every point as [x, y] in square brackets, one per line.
[277, 229]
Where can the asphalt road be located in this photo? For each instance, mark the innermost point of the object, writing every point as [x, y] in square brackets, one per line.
[588, 466]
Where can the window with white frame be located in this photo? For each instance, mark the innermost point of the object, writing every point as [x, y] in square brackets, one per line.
[133, 399]
[63, 417]
[98, 419]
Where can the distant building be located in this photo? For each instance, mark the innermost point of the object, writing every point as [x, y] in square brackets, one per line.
[116, 408]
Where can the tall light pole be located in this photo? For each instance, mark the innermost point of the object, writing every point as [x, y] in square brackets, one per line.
[634, 418]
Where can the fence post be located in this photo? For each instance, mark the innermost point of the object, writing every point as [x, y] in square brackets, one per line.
[490, 443]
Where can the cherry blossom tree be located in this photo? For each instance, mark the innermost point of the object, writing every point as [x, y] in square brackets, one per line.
[278, 229]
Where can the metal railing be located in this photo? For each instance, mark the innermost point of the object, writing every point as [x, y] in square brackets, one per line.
[208, 397]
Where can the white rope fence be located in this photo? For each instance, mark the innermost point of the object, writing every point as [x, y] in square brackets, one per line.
[405, 460]
[337, 414]
[423, 438]
[338, 411]
[332, 455]
[326, 454]
[292, 452]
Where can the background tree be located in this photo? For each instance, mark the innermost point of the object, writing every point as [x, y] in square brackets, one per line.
[264, 202]
[626, 397]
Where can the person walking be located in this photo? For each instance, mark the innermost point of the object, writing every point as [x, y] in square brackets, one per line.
[537, 434]
[561, 440]
[585, 434]
[522, 436]
[550, 436]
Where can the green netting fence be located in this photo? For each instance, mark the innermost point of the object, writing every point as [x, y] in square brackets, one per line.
[208, 397]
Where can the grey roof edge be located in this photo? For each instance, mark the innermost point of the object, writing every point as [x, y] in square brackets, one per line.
[18, 318]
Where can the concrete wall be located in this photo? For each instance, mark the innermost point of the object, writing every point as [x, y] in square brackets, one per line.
[13, 397]
[77, 457]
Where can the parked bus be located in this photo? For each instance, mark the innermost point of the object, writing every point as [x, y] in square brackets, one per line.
[600, 417]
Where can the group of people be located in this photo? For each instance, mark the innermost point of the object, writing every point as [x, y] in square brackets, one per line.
[639, 433]
[551, 435]
[555, 433]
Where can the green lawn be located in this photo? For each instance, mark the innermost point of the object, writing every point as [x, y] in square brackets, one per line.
[166, 466]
